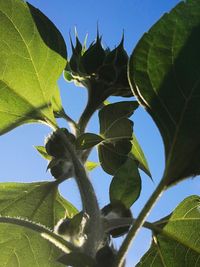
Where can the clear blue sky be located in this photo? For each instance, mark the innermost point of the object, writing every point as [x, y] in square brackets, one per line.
[19, 160]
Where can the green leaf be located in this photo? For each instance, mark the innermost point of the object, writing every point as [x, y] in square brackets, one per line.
[113, 155]
[42, 151]
[117, 130]
[112, 113]
[138, 154]
[37, 202]
[67, 76]
[90, 165]
[164, 74]
[32, 57]
[178, 244]
[126, 184]
[57, 103]
[88, 140]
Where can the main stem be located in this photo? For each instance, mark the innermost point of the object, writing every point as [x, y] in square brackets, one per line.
[138, 223]
[89, 201]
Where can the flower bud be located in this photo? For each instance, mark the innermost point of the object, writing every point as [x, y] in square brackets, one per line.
[73, 229]
[54, 145]
[61, 168]
[102, 71]
[117, 210]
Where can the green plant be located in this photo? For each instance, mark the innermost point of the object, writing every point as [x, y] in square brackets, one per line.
[42, 228]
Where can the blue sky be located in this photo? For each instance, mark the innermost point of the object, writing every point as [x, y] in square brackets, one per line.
[19, 160]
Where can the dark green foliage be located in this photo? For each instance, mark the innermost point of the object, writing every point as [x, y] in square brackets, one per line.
[164, 68]
[117, 129]
[102, 71]
[126, 184]
[88, 140]
[97, 65]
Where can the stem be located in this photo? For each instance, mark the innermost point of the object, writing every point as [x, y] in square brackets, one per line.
[84, 119]
[122, 222]
[138, 223]
[45, 232]
[89, 200]
[72, 123]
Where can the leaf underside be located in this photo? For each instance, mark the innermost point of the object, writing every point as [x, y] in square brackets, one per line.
[126, 184]
[164, 72]
[179, 243]
[37, 202]
[29, 65]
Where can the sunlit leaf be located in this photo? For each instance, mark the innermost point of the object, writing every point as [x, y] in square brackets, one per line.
[126, 184]
[42, 151]
[56, 103]
[32, 57]
[90, 165]
[139, 156]
[179, 243]
[37, 202]
[164, 74]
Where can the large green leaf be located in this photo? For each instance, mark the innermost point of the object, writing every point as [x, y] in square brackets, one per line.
[126, 184]
[164, 74]
[37, 202]
[32, 57]
[178, 244]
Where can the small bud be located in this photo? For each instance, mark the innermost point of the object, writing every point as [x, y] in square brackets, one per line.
[61, 168]
[54, 145]
[72, 229]
[117, 210]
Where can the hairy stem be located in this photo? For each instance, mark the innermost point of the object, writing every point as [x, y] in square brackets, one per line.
[84, 119]
[43, 231]
[73, 125]
[138, 223]
[89, 200]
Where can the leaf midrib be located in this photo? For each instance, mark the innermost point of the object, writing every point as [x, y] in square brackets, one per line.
[27, 48]
[21, 97]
